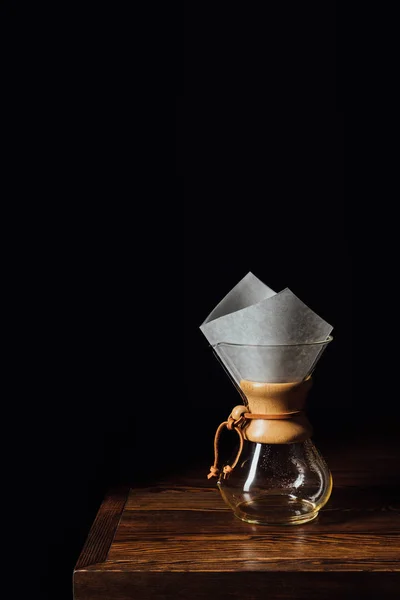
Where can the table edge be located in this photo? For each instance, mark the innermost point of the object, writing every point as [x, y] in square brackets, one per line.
[103, 529]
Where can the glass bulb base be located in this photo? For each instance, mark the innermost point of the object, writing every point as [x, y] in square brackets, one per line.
[277, 484]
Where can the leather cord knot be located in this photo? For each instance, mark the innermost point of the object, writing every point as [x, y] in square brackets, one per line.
[230, 423]
[214, 472]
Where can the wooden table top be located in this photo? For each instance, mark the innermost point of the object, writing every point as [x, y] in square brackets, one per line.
[178, 539]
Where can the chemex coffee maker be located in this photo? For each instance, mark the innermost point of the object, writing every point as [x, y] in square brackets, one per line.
[276, 474]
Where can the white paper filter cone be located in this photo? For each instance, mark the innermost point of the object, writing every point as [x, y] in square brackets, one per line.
[264, 336]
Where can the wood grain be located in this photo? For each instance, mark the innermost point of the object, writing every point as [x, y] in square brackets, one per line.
[125, 585]
[103, 529]
[177, 539]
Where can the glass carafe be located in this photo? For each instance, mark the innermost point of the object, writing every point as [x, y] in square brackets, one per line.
[276, 475]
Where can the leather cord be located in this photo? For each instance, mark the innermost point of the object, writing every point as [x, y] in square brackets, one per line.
[237, 424]
[229, 424]
[272, 416]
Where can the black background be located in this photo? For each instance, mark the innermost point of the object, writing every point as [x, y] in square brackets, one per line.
[127, 246]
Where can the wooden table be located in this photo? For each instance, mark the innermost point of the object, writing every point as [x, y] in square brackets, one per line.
[178, 540]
